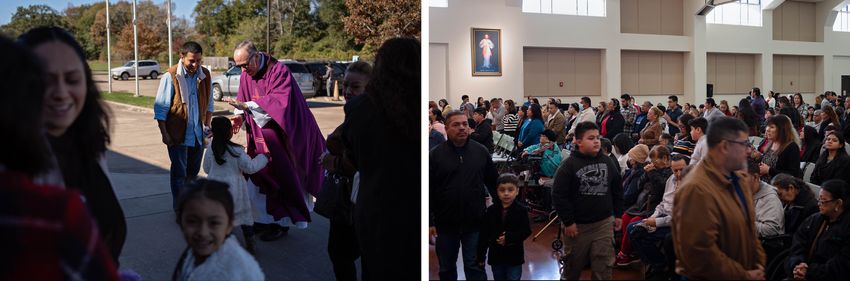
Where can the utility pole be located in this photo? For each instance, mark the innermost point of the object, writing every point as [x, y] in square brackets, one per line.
[108, 50]
[135, 50]
[170, 63]
[268, 26]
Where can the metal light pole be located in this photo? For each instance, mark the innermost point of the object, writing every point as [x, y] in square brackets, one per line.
[268, 26]
[169, 34]
[135, 50]
[108, 50]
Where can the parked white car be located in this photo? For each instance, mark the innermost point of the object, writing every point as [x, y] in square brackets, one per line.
[147, 69]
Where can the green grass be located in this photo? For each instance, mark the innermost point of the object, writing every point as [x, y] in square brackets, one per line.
[96, 65]
[128, 98]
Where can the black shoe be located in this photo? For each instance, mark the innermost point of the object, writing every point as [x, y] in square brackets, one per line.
[249, 246]
[274, 233]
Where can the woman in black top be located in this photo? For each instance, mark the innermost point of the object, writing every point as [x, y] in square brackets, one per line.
[833, 162]
[811, 145]
[797, 199]
[782, 154]
[820, 247]
[79, 134]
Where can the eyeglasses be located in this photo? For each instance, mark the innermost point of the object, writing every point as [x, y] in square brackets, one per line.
[744, 143]
[245, 65]
[821, 202]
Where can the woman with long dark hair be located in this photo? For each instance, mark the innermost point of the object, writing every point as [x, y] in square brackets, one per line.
[783, 152]
[529, 134]
[801, 106]
[828, 116]
[811, 145]
[747, 114]
[380, 128]
[444, 106]
[511, 119]
[834, 163]
[78, 126]
[612, 123]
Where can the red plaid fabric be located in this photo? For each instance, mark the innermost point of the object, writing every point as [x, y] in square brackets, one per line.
[46, 233]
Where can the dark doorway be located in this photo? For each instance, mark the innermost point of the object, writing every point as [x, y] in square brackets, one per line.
[845, 84]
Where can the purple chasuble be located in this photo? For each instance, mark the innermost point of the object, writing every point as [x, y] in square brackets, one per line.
[293, 139]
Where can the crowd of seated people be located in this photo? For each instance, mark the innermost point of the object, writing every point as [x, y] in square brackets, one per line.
[797, 170]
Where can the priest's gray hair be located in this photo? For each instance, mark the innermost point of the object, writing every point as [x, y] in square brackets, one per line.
[248, 46]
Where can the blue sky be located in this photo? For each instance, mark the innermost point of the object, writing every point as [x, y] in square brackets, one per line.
[7, 9]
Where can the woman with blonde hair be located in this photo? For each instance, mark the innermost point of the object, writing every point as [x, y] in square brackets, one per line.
[724, 107]
[649, 135]
[782, 154]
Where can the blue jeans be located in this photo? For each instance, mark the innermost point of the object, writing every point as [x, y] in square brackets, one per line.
[649, 245]
[447, 247]
[185, 165]
[506, 272]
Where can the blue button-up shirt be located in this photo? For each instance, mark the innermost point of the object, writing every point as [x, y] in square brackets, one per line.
[162, 104]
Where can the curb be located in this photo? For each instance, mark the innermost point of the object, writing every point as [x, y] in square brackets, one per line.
[124, 106]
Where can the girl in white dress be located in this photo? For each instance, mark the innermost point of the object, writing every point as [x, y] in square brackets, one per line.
[227, 161]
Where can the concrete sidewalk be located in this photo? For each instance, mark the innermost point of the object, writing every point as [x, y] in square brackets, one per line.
[138, 164]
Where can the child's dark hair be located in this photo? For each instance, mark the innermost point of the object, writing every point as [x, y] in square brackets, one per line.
[222, 131]
[606, 145]
[210, 189]
[667, 137]
[508, 178]
[583, 127]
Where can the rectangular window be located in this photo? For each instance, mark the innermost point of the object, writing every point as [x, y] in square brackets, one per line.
[593, 8]
[741, 12]
[842, 21]
[438, 3]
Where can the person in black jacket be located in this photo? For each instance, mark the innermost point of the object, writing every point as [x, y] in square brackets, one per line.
[820, 247]
[811, 145]
[613, 123]
[505, 228]
[461, 175]
[588, 198]
[833, 162]
[483, 133]
[797, 199]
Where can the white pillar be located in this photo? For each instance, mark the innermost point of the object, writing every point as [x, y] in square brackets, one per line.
[135, 50]
[169, 34]
[108, 50]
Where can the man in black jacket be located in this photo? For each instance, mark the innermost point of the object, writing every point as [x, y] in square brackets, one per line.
[483, 133]
[462, 176]
[588, 197]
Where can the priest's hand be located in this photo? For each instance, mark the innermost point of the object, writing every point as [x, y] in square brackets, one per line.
[237, 104]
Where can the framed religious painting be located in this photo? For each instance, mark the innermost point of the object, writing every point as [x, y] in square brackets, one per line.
[486, 52]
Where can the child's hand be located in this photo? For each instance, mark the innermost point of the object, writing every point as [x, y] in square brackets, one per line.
[501, 240]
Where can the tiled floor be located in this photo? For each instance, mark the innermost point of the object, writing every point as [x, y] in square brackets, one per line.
[540, 264]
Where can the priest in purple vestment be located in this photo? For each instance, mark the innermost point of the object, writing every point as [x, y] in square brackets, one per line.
[279, 122]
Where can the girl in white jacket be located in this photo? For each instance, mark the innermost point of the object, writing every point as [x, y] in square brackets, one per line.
[205, 216]
[226, 161]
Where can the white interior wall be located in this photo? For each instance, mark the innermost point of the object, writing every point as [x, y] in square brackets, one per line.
[453, 25]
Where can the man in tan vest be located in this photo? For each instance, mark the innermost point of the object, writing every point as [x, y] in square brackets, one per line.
[183, 109]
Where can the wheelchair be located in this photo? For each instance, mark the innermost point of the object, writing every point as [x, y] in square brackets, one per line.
[777, 249]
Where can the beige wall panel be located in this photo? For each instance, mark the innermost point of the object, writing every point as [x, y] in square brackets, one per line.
[649, 16]
[807, 74]
[791, 21]
[672, 74]
[629, 16]
[561, 68]
[671, 17]
[535, 71]
[725, 74]
[711, 66]
[807, 22]
[650, 73]
[790, 74]
[588, 72]
[629, 78]
[745, 71]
